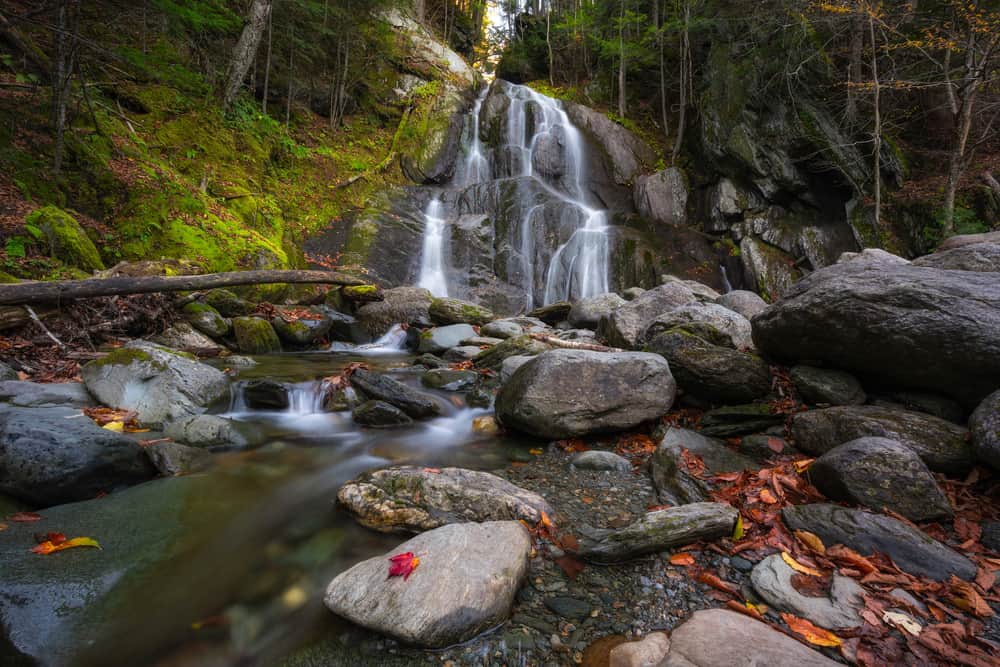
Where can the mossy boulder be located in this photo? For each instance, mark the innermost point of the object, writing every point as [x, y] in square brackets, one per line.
[362, 293]
[228, 303]
[303, 326]
[66, 238]
[206, 319]
[255, 336]
[456, 311]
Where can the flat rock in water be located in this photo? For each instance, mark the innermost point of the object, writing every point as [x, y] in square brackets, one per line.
[45, 395]
[414, 499]
[940, 444]
[384, 388]
[57, 455]
[568, 393]
[265, 394]
[877, 473]
[172, 458]
[462, 353]
[449, 380]
[207, 431]
[723, 638]
[912, 550]
[985, 426]
[671, 478]
[379, 414]
[598, 460]
[465, 584]
[658, 531]
[772, 579]
[439, 339]
[825, 385]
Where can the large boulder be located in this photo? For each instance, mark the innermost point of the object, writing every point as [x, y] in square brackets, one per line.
[401, 305]
[464, 584]
[969, 239]
[674, 483]
[379, 414]
[158, 383]
[733, 326]
[55, 455]
[185, 337]
[711, 372]
[587, 313]
[626, 326]
[439, 339]
[455, 311]
[911, 326]
[867, 533]
[743, 302]
[940, 444]
[517, 346]
[662, 197]
[415, 499]
[384, 388]
[828, 385]
[66, 239]
[628, 155]
[45, 395]
[878, 473]
[206, 319]
[569, 393]
[255, 335]
[985, 426]
[972, 257]
[302, 326]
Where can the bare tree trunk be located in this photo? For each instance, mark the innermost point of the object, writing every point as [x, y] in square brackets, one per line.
[291, 75]
[877, 129]
[548, 43]
[67, 18]
[621, 61]
[245, 50]
[991, 181]
[956, 161]
[685, 58]
[665, 118]
[267, 64]
[854, 67]
[419, 7]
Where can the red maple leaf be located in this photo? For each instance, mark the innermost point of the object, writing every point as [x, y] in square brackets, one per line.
[403, 565]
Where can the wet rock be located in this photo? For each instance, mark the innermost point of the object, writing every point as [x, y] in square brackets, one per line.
[255, 335]
[183, 336]
[912, 550]
[304, 327]
[479, 398]
[940, 444]
[932, 404]
[568, 393]
[430, 361]
[553, 313]
[985, 426]
[41, 395]
[523, 345]
[394, 392]
[587, 313]
[972, 257]
[670, 475]
[8, 374]
[658, 531]
[402, 305]
[449, 380]
[662, 197]
[379, 414]
[227, 304]
[762, 446]
[567, 607]
[632, 293]
[719, 637]
[515, 326]
[462, 353]
[465, 584]
[161, 385]
[511, 364]
[769, 268]
[710, 372]
[482, 341]
[626, 326]
[206, 319]
[647, 652]
[413, 499]
[445, 311]
[264, 394]
[877, 473]
[628, 156]
[732, 325]
[825, 385]
[734, 420]
[772, 579]
[56, 455]
[172, 458]
[439, 339]
[347, 329]
[743, 302]
[910, 326]
[548, 156]
[206, 431]
[599, 460]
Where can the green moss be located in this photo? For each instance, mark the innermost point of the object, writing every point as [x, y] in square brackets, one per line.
[123, 357]
[7, 278]
[255, 335]
[66, 238]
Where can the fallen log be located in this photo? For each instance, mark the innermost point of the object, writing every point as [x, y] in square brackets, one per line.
[60, 290]
[574, 344]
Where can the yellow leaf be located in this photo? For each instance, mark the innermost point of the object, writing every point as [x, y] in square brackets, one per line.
[799, 567]
[759, 608]
[535, 451]
[811, 633]
[902, 621]
[738, 529]
[811, 540]
[115, 426]
[49, 547]
[803, 465]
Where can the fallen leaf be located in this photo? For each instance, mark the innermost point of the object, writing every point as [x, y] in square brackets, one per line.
[847, 555]
[403, 565]
[966, 597]
[682, 559]
[985, 579]
[433, 471]
[767, 497]
[738, 529]
[570, 565]
[25, 517]
[799, 567]
[747, 610]
[803, 465]
[3, 526]
[811, 633]
[48, 546]
[811, 540]
[710, 579]
[535, 451]
[776, 445]
[903, 622]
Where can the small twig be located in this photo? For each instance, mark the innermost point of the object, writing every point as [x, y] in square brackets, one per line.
[38, 321]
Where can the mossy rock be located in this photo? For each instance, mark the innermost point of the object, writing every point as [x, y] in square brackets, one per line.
[255, 336]
[227, 303]
[455, 311]
[362, 293]
[67, 240]
[206, 319]
[6, 278]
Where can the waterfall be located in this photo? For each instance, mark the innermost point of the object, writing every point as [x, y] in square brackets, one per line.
[433, 275]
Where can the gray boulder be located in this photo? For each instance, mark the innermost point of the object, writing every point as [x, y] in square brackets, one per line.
[445, 311]
[911, 326]
[346, 328]
[549, 156]
[304, 327]
[523, 345]
[511, 364]
[670, 475]
[658, 531]
[662, 197]
[568, 393]
[703, 292]
[465, 584]
[439, 339]
[772, 579]
[206, 319]
[172, 458]
[732, 325]
[56, 455]
[184, 336]
[872, 256]
[265, 394]
[912, 550]
[710, 372]
[969, 239]
[227, 303]
[587, 313]
[972, 257]
[985, 426]
[932, 404]
[514, 326]
[940, 444]
[384, 388]
[877, 473]
[415, 499]
[41, 395]
[161, 385]
[743, 302]
[733, 420]
[827, 385]
[207, 431]
[626, 326]
[379, 414]
[628, 155]
[401, 305]
[449, 380]
[462, 353]
[596, 459]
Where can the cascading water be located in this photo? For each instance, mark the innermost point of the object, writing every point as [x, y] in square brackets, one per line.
[433, 275]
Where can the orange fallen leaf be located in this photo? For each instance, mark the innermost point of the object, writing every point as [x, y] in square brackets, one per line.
[966, 597]
[776, 445]
[811, 540]
[847, 555]
[803, 465]
[767, 497]
[570, 565]
[710, 579]
[535, 451]
[811, 633]
[433, 471]
[25, 517]
[747, 610]
[48, 546]
[682, 559]
[403, 565]
[799, 567]
[3, 526]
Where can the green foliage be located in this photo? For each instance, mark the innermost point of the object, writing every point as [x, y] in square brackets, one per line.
[212, 16]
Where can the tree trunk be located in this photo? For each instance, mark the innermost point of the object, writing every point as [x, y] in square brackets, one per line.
[956, 161]
[621, 64]
[291, 76]
[854, 67]
[685, 58]
[665, 118]
[419, 7]
[53, 291]
[246, 50]
[877, 129]
[67, 18]
[548, 43]
[267, 64]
